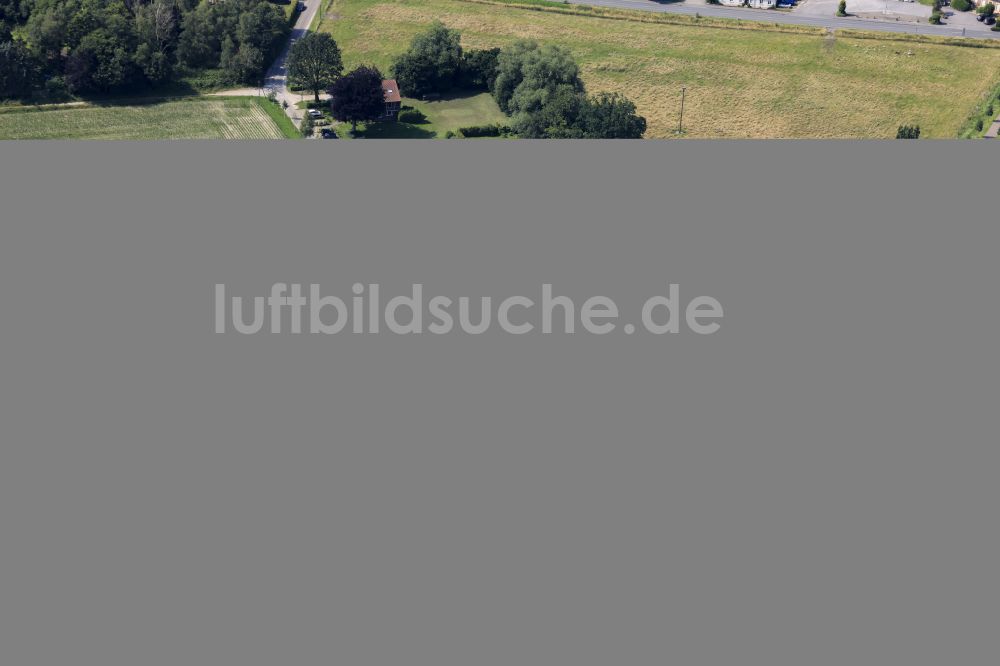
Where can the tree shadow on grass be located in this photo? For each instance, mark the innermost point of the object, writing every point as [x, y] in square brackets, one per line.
[462, 93]
[143, 96]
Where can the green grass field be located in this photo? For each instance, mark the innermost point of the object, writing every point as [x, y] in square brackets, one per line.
[196, 118]
[743, 81]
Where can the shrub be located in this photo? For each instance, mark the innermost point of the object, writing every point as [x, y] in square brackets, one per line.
[961, 5]
[979, 124]
[206, 79]
[935, 18]
[449, 135]
[908, 132]
[412, 116]
[55, 88]
[989, 9]
[996, 27]
[307, 126]
[842, 8]
[990, 110]
[475, 131]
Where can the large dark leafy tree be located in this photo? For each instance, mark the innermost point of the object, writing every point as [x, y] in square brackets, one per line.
[100, 63]
[528, 74]
[479, 69]
[314, 62]
[13, 11]
[157, 25]
[432, 63]
[357, 96]
[541, 88]
[18, 69]
[258, 34]
[557, 117]
[611, 116]
[204, 29]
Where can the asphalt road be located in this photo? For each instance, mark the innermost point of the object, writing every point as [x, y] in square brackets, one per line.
[770, 16]
[276, 79]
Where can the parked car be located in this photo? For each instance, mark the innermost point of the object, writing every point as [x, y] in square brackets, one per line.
[314, 114]
[301, 6]
[980, 18]
[328, 133]
[990, 20]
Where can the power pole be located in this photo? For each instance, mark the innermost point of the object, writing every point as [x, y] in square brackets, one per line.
[680, 122]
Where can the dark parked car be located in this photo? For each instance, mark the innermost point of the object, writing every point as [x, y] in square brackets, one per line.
[990, 20]
[980, 18]
[328, 133]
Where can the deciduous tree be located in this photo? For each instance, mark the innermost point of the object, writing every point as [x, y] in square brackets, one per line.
[431, 64]
[612, 116]
[18, 69]
[357, 96]
[315, 62]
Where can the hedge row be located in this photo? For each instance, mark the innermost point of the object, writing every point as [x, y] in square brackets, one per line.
[475, 131]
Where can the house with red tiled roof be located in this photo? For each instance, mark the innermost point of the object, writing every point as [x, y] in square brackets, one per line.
[393, 100]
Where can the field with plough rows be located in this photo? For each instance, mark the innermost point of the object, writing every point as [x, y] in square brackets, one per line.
[196, 118]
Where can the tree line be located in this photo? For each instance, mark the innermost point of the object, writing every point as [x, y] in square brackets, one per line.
[82, 47]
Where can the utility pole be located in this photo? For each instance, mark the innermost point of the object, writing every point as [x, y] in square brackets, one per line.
[680, 122]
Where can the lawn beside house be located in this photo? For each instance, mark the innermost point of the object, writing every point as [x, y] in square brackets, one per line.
[448, 114]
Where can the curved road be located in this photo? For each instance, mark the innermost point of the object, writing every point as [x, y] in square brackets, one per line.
[770, 16]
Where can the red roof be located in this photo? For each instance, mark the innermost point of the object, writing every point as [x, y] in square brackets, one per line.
[391, 90]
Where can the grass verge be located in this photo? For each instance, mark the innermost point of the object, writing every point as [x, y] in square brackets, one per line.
[982, 115]
[280, 118]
